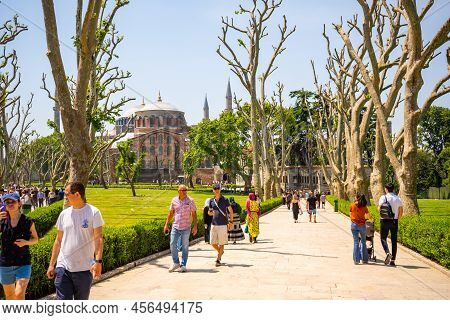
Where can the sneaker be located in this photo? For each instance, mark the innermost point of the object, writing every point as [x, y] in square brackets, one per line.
[392, 263]
[365, 262]
[356, 263]
[388, 259]
[174, 267]
[183, 269]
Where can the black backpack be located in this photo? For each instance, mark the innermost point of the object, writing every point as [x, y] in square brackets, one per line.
[386, 210]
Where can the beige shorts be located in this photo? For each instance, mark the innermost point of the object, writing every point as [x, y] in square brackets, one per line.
[219, 235]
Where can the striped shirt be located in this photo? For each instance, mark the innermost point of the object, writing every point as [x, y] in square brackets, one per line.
[182, 215]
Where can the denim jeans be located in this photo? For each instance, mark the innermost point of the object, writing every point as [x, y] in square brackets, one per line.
[359, 246]
[175, 236]
[72, 285]
[386, 226]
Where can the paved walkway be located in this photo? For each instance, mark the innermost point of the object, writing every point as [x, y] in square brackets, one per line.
[291, 261]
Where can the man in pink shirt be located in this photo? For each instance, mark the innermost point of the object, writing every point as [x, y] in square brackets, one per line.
[182, 208]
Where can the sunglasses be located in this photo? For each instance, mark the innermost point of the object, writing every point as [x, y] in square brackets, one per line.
[216, 188]
[182, 190]
[10, 202]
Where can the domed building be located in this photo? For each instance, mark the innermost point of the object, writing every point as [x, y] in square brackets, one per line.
[159, 130]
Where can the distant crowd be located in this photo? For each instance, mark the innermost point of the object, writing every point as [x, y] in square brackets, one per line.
[33, 197]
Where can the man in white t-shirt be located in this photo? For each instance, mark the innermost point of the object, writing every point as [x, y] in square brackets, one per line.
[78, 248]
[390, 225]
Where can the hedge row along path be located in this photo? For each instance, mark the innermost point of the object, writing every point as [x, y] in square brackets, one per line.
[291, 261]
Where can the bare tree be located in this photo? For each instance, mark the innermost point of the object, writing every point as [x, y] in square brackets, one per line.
[415, 56]
[249, 74]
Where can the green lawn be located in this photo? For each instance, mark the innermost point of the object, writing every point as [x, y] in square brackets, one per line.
[119, 207]
[431, 207]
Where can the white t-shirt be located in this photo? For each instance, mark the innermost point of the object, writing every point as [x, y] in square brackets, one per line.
[77, 246]
[393, 200]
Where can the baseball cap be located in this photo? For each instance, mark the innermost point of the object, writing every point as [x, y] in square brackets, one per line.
[11, 196]
[216, 186]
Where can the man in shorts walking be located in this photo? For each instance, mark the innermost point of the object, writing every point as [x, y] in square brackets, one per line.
[311, 207]
[219, 207]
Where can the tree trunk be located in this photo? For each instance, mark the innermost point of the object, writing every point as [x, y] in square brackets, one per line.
[377, 178]
[133, 191]
[255, 143]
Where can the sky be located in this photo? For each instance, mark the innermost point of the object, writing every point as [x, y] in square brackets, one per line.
[170, 46]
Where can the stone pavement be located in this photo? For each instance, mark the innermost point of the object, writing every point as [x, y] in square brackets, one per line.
[290, 261]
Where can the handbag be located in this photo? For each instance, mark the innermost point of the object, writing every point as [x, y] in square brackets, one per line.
[246, 228]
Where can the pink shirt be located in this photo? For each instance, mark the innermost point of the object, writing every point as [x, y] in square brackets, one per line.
[183, 209]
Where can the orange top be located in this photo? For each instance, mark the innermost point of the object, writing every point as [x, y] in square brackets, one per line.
[357, 214]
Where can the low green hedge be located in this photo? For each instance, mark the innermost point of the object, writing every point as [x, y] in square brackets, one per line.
[265, 206]
[121, 246]
[45, 217]
[428, 235]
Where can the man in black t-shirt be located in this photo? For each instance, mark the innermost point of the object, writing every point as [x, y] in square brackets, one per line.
[219, 208]
[311, 207]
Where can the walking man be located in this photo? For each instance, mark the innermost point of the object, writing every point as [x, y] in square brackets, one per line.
[311, 207]
[390, 207]
[78, 248]
[182, 208]
[219, 207]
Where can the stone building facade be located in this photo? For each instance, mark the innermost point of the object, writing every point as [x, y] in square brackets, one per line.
[158, 130]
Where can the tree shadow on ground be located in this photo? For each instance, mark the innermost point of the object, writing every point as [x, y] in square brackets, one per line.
[282, 253]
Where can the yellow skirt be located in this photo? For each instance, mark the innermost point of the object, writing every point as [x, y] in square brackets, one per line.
[253, 224]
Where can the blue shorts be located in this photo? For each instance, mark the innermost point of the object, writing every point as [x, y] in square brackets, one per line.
[9, 275]
[313, 211]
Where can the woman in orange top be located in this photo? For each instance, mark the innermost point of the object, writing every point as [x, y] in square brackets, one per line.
[358, 215]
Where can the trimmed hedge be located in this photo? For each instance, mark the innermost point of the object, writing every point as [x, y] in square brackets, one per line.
[428, 235]
[265, 206]
[122, 245]
[45, 217]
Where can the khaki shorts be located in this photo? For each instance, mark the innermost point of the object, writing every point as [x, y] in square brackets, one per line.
[219, 235]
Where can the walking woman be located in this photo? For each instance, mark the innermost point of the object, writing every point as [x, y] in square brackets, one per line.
[295, 206]
[235, 234]
[253, 214]
[358, 215]
[18, 232]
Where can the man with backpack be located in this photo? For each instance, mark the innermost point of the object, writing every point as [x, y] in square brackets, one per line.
[391, 209]
[222, 221]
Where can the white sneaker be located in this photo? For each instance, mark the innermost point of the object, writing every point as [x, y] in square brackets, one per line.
[174, 267]
[183, 269]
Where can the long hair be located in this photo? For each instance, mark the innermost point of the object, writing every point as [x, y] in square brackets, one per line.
[361, 200]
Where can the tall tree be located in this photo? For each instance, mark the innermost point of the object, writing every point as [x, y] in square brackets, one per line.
[80, 99]
[249, 73]
[414, 57]
[14, 116]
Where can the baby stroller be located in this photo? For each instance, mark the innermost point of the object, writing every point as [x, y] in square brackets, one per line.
[370, 232]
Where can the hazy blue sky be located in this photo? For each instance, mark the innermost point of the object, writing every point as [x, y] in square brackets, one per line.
[171, 46]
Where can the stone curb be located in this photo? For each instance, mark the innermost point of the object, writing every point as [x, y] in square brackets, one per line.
[411, 252]
[139, 262]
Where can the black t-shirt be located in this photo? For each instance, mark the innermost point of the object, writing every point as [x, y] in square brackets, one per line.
[11, 254]
[219, 218]
[311, 203]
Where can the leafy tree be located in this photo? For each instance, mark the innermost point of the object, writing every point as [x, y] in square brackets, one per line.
[224, 141]
[434, 130]
[129, 164]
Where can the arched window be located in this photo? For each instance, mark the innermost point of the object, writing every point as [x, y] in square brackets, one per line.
[160, 139]
[161, 163]
[169, 139]
[160, 150]
[152, 150]
[152, 121]
[169, 150]
[152, 140]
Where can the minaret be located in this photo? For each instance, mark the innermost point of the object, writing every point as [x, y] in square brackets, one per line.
[206, 109]
[57, 116]
[228, 98]
[159, 97]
